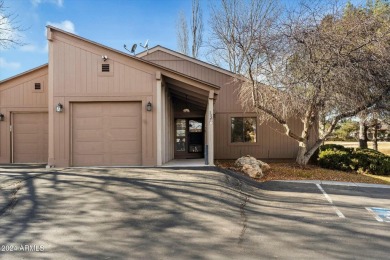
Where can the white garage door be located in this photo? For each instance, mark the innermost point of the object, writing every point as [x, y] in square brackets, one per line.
[30, 137]
[106, 134]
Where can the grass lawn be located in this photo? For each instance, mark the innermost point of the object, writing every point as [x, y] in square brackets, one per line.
[383, 147]
[291, 171]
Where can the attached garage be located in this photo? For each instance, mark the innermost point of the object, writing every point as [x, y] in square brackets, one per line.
[30, 137]
[106, 134]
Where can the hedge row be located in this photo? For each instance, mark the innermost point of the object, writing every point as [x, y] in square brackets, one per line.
[338, 157]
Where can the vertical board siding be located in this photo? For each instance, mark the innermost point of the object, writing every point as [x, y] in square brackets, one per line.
[78, 78]
[23, 95]
[77, 73]
[271, 141]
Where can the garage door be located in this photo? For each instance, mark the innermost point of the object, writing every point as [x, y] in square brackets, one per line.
[106, 134]
[30, 137]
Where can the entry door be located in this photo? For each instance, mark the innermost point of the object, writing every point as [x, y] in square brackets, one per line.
[30, 137]
[189, 139]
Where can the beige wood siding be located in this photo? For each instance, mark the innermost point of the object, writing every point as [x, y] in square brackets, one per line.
[188, 68]
[19, 95]
[106, 134]
[30, 137]
[76, 76]
[271, 142]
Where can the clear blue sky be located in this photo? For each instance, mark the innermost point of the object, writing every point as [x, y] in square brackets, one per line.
[110, 22]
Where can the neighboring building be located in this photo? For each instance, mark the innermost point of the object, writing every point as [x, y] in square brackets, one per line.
[95, 106]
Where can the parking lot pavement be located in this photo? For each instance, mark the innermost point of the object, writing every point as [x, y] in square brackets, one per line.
[134, 213]
[12, 177]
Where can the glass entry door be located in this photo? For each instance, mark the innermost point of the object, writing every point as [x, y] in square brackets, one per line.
[189, 138]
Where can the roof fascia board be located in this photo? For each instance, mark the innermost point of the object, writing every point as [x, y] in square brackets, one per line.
[185, 57]
[23, 73]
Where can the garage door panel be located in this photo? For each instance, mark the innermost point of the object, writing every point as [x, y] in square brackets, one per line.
[88, 135]
[89, 148]
[121, 109]
[108, 135]
[30, 137]
[125, 147]
[124, 134]
[124, 159]
[88, 123]
[28, 129]
[88, 160]
[88, 110]
[29, 148]
[125, 122]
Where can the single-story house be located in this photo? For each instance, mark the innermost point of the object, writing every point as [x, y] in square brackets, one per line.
[92, 105]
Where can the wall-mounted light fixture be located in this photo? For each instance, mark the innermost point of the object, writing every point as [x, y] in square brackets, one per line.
[186, 108]
[59, 108]
[104, 57]
[1, 117]
[149, 106]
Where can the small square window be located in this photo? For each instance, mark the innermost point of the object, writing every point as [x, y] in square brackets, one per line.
[243, 129]
[37, 86]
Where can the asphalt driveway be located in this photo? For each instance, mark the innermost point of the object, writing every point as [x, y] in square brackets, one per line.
[134, 213]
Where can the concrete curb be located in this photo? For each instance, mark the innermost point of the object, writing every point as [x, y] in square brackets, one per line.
[339, 183]
[334, 183]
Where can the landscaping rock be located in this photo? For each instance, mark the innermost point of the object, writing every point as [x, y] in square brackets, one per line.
[251, 166]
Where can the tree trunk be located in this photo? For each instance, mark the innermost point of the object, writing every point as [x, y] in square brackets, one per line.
[362, 134]
[305, 153]
[375, 138]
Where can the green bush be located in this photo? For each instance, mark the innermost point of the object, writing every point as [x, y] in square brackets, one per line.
[341, 158]
[368, 160]
[335, 159]
[335, 147]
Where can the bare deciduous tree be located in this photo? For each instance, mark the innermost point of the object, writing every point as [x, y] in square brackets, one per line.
[238, 29]
[321, 63]
[182, 33]
[196, 31]
[10, 28]
[196, 28]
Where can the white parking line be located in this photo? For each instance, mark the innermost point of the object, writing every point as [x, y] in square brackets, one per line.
[379, 219]
[338, 212]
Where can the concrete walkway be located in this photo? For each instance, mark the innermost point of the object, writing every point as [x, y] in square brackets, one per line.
[186, 163]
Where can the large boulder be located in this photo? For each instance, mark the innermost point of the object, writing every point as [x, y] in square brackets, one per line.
[251, 166]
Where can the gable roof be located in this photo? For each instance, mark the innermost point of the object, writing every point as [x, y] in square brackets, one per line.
[185, 57]
[133, 57]
[23, 73]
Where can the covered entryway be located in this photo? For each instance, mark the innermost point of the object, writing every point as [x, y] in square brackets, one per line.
[106, 134]
[29, 137]
[187, 116]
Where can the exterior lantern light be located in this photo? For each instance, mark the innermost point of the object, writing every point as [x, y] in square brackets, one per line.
[1, 117]
[149, 106]
[59, 108]
[186, 108]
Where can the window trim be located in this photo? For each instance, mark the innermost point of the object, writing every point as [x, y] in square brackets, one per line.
[249, 115]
